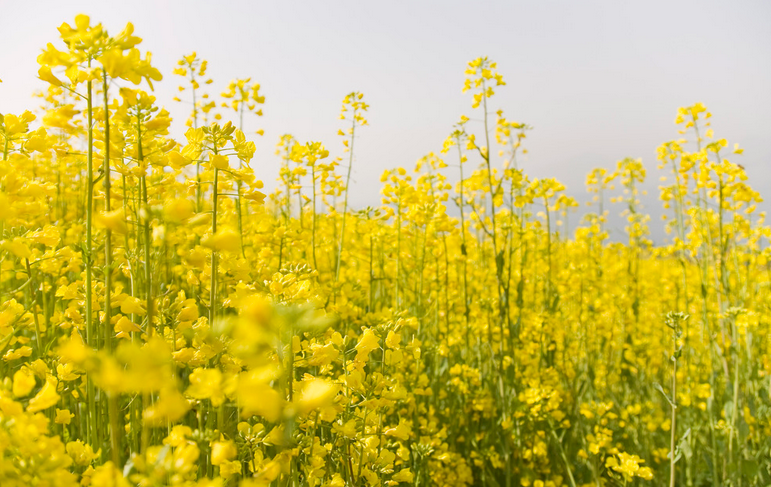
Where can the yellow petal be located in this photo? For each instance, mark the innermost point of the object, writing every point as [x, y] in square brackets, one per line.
[218, 161]
[46, 398]
[23, 382]
[113, 220]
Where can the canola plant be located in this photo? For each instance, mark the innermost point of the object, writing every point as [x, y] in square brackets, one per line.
[164, 322]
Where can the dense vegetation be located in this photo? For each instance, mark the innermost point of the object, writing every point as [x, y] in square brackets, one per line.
[163, 322]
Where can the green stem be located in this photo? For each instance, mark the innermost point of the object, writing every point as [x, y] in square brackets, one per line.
[345, 201]
[108, 234]
[213, 286]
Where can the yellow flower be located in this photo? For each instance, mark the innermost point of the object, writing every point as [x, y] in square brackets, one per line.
[23, 382]
[46, 75]
[323, 354]
[222, 451]
[316, 394]
[108, 475]
[124, 326]
[178, 210]
[367, 343]
[206, 384]
[65, 372]
[226, 239]
[177, 160]
[112, 220]
[228, 469]
[132, 306]
[170, 407]
[219, 161]
[393, 340]
[256, 397]
[404, 475]
[46, 398]
[178, 436]
[18, 247]
[628, 466]
[81, 453]
[402, 431]
[63, 416]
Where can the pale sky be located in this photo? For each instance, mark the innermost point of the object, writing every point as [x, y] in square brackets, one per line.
[599, 80]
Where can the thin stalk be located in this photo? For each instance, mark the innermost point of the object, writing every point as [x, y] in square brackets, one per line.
[92, 431]
[345, 201]
[32, 305]
[464, 251]
[213, 286]
[108, 233]
[313, 217]
[238, 190]
[673, 430]
[146, 229]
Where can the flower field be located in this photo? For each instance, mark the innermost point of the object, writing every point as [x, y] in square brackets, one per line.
[164, 322]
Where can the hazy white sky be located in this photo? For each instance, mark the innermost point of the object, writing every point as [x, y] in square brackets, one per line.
[598, 79]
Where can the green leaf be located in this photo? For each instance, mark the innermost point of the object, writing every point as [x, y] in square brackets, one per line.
[750, 468]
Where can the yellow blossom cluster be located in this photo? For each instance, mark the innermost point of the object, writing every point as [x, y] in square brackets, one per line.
[163, 322]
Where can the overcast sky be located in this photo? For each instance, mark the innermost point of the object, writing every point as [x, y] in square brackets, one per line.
[598, 80]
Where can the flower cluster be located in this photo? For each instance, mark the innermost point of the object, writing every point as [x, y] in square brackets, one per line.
[164, 322]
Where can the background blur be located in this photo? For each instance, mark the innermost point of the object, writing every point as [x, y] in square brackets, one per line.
[598, 80]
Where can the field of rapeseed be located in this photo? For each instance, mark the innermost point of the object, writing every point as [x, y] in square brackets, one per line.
[164, 322]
